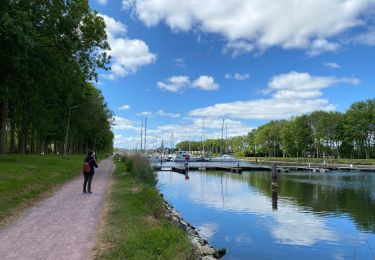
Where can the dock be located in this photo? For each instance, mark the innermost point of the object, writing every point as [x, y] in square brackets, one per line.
[240, 169]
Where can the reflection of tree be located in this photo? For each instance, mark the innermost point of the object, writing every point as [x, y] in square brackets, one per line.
[325, 194]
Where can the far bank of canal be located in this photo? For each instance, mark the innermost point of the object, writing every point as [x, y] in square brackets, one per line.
[318, 215]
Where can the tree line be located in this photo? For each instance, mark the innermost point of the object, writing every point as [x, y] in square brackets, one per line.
[318, 134]
[49, 51]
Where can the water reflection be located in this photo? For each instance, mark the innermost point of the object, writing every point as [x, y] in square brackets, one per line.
[245, 214]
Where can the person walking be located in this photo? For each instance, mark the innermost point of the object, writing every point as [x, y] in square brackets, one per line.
[88, 171]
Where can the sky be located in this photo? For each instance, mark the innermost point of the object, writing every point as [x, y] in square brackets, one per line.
[187, 65]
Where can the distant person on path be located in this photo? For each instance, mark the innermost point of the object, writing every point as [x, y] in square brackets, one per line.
[88, 174]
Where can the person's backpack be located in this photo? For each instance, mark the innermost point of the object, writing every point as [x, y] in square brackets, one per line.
[86, 167]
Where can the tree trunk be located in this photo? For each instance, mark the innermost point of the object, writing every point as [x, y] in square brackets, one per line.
[13, 137]
[22, 135]
[3, 125]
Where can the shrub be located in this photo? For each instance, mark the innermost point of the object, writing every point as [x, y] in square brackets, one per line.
[140, 168]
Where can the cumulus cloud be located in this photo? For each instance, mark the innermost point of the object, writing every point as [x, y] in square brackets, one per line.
[247, 24]
[237, 76]
[124, 107]
[180, 83]
[332, 65]
[128, 55]
[174, 84]
[205, 83]
[292, 94]
[321, 45]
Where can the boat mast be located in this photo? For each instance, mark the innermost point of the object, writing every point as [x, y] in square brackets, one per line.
[222, 135]
[141, 134]
[202, 139]
[145, 148]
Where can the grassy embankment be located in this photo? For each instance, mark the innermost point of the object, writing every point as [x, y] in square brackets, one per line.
[24, 179]
[135, 226]
[315, 161]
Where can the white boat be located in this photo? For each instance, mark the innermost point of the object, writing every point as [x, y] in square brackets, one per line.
[181, 155]
[225, 158]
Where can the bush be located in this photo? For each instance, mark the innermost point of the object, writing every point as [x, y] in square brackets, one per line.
[140, 168]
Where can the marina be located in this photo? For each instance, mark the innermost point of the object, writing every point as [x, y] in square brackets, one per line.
[303, 215]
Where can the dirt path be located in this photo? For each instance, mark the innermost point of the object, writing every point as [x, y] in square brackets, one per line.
[63, 226]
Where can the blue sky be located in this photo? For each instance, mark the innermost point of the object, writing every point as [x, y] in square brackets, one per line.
[182, 63]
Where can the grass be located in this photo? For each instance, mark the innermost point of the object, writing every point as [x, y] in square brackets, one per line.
[25, 179]
[312, 160]
[134, 226]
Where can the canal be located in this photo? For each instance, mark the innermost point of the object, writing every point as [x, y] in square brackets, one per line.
[313, 215]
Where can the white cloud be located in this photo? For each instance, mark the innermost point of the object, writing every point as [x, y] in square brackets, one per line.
[124, 107]
[321, 45]
[238, 48]
[128, 55]
[332, 65]
[296, 81]
[145, 114]
[205, 83]
[102, 2]
[237, 76]
[123, 124]
[367, 38]
[258, 24]
[174, 84]
[292, 94]
[171, 115]
[180, 83]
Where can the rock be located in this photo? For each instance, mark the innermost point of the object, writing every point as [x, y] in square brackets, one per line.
[220, 252]
[195, 241]
[206, 250]
[207, 257]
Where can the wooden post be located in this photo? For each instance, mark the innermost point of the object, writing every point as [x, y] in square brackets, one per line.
[274, 186]
[274, 172]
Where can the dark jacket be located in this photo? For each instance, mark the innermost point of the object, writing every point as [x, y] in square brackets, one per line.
[92, 162]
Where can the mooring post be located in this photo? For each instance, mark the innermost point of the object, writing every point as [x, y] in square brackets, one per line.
[274, 186]
[274, 172]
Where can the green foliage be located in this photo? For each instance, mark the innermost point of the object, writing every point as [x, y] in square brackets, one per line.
[135, 226]
[50, 52]
[140, 168]
[319, 134]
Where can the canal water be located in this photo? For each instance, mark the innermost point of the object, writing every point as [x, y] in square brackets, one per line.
[311, 216]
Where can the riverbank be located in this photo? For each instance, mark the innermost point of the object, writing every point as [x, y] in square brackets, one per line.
[26, 179]
[135, 226]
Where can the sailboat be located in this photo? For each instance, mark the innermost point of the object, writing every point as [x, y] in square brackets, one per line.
[224, 157]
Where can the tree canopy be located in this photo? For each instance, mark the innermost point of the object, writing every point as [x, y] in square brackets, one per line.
[318, 134]
[50, 51]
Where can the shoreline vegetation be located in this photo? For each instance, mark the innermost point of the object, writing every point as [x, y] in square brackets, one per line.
[319, 134]
[135, 226]
[26, 179]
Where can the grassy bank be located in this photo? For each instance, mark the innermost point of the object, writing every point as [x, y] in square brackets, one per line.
[27, 178]
[312, 160]
[134, 226]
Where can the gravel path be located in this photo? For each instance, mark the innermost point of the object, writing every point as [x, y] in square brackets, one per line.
[63, 226]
